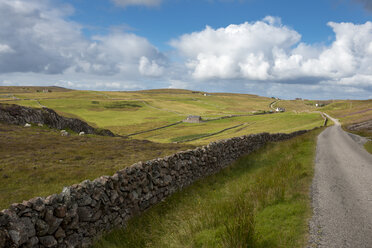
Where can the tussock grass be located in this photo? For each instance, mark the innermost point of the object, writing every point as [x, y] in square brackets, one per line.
[262, 200]
[38, 161]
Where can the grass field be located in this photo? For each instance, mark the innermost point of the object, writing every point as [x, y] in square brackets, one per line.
[39, 161]
[350, 111]
[262, 200]
[283, 122]
[131, 112]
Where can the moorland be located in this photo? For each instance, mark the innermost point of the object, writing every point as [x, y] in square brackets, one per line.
[38, 161]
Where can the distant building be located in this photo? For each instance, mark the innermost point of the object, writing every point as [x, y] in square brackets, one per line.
[280, 109]
[193, 119]
[206, 94]
[46, 91]
[298, 98]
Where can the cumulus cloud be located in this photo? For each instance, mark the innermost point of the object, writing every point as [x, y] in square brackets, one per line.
[150, 68]
[237, 51]
[125, 3]
[117, 53]
[39, 45]
[35, 37]
[268, 51]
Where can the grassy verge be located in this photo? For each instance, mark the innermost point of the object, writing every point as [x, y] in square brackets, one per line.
[262, 200]
[363, 133]
[368, 146]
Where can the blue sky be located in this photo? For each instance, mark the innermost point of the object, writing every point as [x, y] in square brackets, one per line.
[318, 49]
[173, 18]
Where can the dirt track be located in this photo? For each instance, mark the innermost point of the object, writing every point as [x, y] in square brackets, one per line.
[342, 192]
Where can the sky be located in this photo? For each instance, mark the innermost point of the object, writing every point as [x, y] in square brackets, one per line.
[319, 49]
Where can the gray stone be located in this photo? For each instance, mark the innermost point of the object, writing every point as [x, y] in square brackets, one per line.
[52, 221]
[60, 211]
[38, 204]
[167, 179]
[72, 241]
[41, 227]
[4, 238]
[114, 196]
[4, 219]
[32, 242]
[85, 213]
[48, 241]
[84, 201]
[60, 233]
[29, 227]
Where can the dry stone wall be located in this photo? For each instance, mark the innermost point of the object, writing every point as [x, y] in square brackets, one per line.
[82, 212]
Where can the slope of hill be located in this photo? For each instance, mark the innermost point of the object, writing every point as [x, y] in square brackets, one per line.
[38, 161]
[130, 112]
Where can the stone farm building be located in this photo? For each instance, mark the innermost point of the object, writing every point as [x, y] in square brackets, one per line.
[280, 109]
[193, 119]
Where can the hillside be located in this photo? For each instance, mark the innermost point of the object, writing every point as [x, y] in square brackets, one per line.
[38, 161]
[126, 113]
[49, 156]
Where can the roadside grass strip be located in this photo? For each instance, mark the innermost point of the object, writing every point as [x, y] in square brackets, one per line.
[261, 200]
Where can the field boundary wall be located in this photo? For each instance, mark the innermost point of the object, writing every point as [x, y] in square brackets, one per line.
[81, 213]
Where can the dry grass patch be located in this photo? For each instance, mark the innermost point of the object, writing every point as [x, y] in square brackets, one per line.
[39, 161]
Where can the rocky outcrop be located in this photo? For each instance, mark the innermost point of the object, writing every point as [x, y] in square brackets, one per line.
[82, 212]
[20, 115]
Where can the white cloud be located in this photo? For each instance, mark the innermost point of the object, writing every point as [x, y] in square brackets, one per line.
[35, 37]
[4, 48]
[237, 51]
[150, 68]
[117, 53]
[267, 51]
[40, 46]
[125, 3]
[39, 38]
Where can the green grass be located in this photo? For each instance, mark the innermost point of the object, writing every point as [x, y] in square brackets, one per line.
[350, 111]
[39, 161]
[368, 146]
[131, 112]
[188, 137]
[283, 122]
[124, 105]
[262, 200]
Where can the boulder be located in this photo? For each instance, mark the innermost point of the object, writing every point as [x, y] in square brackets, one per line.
[65, 133]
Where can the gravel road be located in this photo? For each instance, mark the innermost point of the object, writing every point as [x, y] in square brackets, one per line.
[341, 191]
